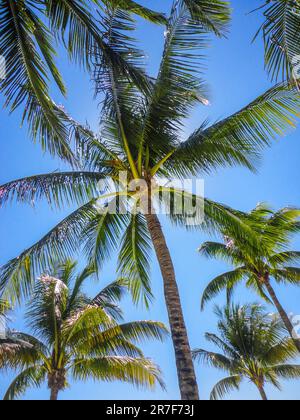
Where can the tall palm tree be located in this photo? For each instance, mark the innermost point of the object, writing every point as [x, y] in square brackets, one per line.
[258, 266]
[251, 347]
[281, 36]
[80, 337]
[142, 137]
[28, 46]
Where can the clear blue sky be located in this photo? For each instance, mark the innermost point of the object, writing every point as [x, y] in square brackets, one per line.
[236, 74]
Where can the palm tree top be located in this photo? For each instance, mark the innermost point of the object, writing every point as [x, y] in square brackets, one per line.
[76, 336]
[142, 135]
[271, 257]
[252, 346]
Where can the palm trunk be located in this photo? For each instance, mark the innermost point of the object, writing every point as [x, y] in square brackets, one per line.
[263, 393]
[185, 367]
[284, 316]
[54, 393]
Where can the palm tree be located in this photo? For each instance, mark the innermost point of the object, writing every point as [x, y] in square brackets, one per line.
[282, 38]
[257, 266]
[141, 136]
[252, 347]
[28, 46]
[80, 337]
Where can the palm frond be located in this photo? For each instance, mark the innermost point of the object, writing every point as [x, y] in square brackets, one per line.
[138, 9]
[286, 371]
[281, 38]
[33, 376]
[285, 258]
[239, 138]
[212, 14]
[102, 234]
[222, 282]
[27, 75]
[214, 359]
[59, 188]
[134, 258]
[287, 275]
[139, 372]
[18, 276]
[225, 386]
[177, 87]
[109, 297]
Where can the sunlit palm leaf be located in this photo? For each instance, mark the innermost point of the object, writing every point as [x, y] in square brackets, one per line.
[26, 81]
[134, 258]
[281, 32]
[239, 138]
[18, 275]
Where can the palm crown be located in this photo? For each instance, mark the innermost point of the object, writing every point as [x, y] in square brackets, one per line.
[256, 266]
[252, 347]
[79, 337]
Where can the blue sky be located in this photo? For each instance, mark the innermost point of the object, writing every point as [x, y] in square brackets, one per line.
[236, 75]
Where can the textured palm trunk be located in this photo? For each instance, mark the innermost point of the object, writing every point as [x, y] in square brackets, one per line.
[185, 367]
[263, 393]
[284, 316]
[54, 394]
[56, 383]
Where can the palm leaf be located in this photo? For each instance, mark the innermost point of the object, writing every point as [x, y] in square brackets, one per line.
[27, 75]
[58, 188]
[140, 372]
[225, 386]
[134, 258]
[18, 275]
[222, 282]
[213, 14]
[138, 9]
[239, 138]
[281, 38]
[177, 87]
[31, 377]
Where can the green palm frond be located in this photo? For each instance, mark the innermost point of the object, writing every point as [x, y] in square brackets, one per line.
[121, 118]
[134, 258]
[281, 37]
[285, 257]
[82, 27]
[239, 138]
[19, 275]
[287, 275]
[178, 86]
[282, 352]
[212, 14]
[102, 234]
[59, 188]
[32, 377]
[20, 350]
[196, 212]
[287, 371]
[110, 296]
[225, 386]
[139, 372]
[27, 76]
[223, 282]
[138, 332]
[138, 9]
[223, 251]
[214, 359]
